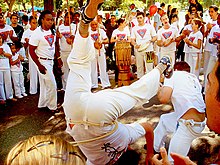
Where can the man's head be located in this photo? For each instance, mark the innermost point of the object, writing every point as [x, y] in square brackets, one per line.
[46, 20]
[14, 19]
[212, 98]
[68, 18]
[213, 11]
[24, 19]
[140, 18]
[94, 25]
[113, 18]
[181, 66]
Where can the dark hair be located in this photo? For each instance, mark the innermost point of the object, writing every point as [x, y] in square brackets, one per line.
[31, 18]
[182, 66]
[121, 20]
[173, 11]
[42, 15]
[140, 13]
[68, 13]
[172, 16]
[192, 6]
[214, 7]
[168, 11]
[25, 18]
[162, 4]
[14, 15]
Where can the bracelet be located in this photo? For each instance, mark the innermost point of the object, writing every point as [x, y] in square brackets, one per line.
[58, 58]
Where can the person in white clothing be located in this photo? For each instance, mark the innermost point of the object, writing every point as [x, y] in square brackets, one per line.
[17, 72]
[213, 12]
[93, 116]
[194, 42]
[66, 33]
[6, 91]
[143, 35]
[33, 73]
[42, 51]
[166, 39]
[188, 119]
[99, 38]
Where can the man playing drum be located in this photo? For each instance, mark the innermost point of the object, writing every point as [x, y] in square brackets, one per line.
[92, 117]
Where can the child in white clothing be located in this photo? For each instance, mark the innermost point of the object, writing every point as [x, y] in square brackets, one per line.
[194, 42]
[17, 72]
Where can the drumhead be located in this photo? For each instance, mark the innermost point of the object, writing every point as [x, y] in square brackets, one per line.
[143, 46]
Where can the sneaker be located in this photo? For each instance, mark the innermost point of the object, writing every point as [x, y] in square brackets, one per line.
[165, 60]
[19, 97]
[24, 94]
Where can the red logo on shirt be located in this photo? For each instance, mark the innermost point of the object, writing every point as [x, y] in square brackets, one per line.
[167, 34]
[142, 32]
[50, 39]
[121, 36]
[216, 35]
[95, 36]
[191, 39]
[66, 34]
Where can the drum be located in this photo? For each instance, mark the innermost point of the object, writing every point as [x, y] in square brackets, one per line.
[123, 62]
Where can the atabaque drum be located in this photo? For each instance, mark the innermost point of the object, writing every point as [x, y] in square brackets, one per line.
[123, 62]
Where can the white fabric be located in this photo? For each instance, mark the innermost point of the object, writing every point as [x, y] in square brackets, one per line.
[191, 59]
[5, 31]
[187, 27]
[214, 33]
[45, 42]
[18, 82]
[34, 78]
[158, 21]
[99, 61]
[6, 91]
[18, 66]
[65, 68]
[208, 46]
[143, 34]
[186, 92]
[102, 107]
[121, 35]
[194, 38]
[164, 34]
[65, 31]
[4, 61]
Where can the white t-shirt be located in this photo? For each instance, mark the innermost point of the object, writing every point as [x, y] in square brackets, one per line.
[95, 36]
[164, 34]
[158, 21]
[4, 61]
[215, 33]
[187, 27]
[27, 34]
[143, 34]
[194, 37]
[121, 35]
[65, 31]
[5, 31]
[17, 67]
[208, 46]
[45, 42]
[186, 92]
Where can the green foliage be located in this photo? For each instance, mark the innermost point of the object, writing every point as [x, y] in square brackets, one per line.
[59, 4]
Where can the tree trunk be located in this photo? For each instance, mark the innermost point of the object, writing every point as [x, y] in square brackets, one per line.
[80, 2]
[24, 6]
[48, 5]
[10, 4]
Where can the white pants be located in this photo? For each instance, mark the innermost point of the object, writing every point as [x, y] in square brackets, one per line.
[33, 76]
[6, 91]
[99, 62]
[192, 59]
[211, 64]
[48, 87]
[102, 107]
[207, 55]
[65, 68]
[170, 54]
[182, 137]
[142, 66]
[18, 82]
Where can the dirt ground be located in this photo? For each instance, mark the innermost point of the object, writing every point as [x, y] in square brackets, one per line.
[22, 119]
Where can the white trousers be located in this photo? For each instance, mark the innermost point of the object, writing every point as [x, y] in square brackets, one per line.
[48, 87]
[207, 55]
[18, 82]
[6, 91]
[211, 64]
[99, 62]
[65, 68]
[191, 59]
[142, 66]
[181, 139]
[34, 78]
[105, 106]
